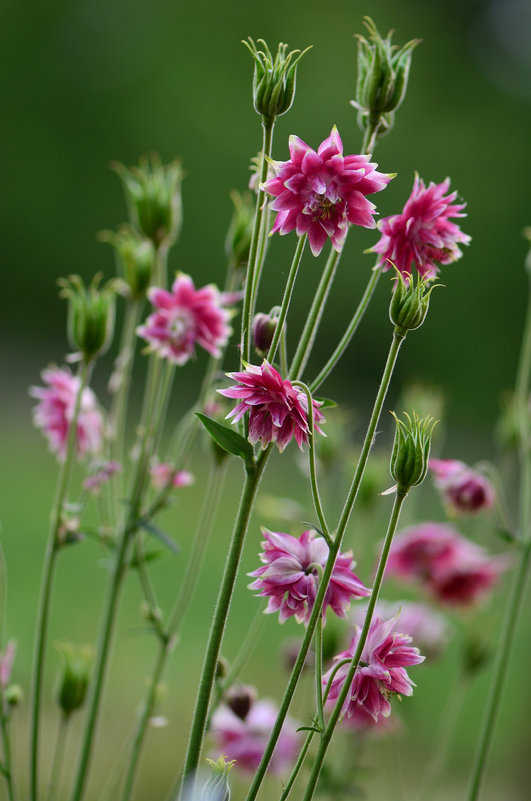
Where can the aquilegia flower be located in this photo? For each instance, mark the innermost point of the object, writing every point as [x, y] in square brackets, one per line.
[465, 489]
[381, 672]
[291, 574]
[55, 410]
[322, 193]
[423, 235]
[184, 317]
[451, 568]
[277, 410]
[243, 735]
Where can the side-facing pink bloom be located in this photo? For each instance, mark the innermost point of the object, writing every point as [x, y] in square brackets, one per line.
[451, 568]
[184, 317]
[163, 473]
[428, 629]
[465, 489]
[321, 193]
[244, 736]
[55, 410]
[422, 235]
[381, 672]
[277, 410]
[291, 573]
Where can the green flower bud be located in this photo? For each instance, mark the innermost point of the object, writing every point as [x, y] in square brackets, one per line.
[153, 192]
[135, 256]
[216, 787]
[13, 695]
[90, 314]
[273, 79]
[74, 679]
[409, 304]
[238, 240]
[411, 450]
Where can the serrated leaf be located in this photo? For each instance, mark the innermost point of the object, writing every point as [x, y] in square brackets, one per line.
[160, 535]
[227, 438]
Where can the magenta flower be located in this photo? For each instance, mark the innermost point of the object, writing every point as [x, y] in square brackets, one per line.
[290, 577]
[321, 193]
[55, 410]
[381, 672]
[243, 736]
[465, 489]
[184, 317]
[277, 410]
[451, 568]
[423, 234]
[428, 629]
[163, 474]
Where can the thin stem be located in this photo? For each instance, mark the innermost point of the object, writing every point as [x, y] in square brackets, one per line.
[297, 767]
[319, 673]
[336, 712]
[197, 733]
[48, 573]
[6, 742]
[351, 330]
[334, 550]
[311, 326]
[371, 133]
[288, 291]
[58, 758]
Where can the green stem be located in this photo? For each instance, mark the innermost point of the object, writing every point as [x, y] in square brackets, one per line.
[250, 284]
[313, 470]
[288, 291]
[336, 712]
[334, 550]
[371, 133]
[58, 758]
[297, 767]
[319, 673]
[52, 550]
[197, 733]
[311, 326]
[7, 767]
[351, 330]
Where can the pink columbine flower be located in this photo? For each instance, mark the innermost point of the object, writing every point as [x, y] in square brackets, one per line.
[277, 410]
[7, 658]
[290, 577]
[465, 489]
[184, 317]
[104, 473]
[428, 629]
[163, 474]
[321, 193]
[423, 234]
[244, 736]
[451, 568]
[381, 672]
[55, 410]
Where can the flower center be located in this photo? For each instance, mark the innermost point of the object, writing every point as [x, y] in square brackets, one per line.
[320, 206]
[180, 328]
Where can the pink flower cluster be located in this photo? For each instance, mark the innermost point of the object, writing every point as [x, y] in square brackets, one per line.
[382, 672]
[291, 573]
[243, 735]
[55, 410]
[450, 567]
[422, 235]
[278, 411]
[465, 489]
[321, 193]
[184, 317]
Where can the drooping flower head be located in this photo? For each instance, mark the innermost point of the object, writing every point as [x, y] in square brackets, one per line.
[291, 574]
[465, 489]
[277, 410]
[243, 736]
[381, 672]
[423, 234]
[184, 317]
[321, 193]
[55, 410]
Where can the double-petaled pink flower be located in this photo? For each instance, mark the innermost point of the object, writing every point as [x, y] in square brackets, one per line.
[450, 567]
[465, 489]
[321, 194]
[184, 318]
[277, 410]
[423, 234]
[292, 572]
[381, 672]
[55, 411]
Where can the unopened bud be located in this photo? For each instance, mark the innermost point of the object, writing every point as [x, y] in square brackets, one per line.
[216, 787]
[240, 700]
[274, 78]
[409, 304]
[14, 695]
[74, 679]
[411, 450]
[90, 314]
[135, 256]
[264, 327]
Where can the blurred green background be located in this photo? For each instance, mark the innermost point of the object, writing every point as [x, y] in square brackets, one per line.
[85, 83]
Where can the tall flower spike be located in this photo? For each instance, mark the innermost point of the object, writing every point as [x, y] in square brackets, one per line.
[322, 193]
[274, 78]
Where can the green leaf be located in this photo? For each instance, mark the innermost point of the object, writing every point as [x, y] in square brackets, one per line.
[148, 556]
[309, 728]
[325, 402]
[159, 535]
[227, 438]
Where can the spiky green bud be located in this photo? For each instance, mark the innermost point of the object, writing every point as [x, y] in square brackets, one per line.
[274, 78]
[410, 303]
[216, 787]
[135, 256]
[90, 314]
[74, 677]
[411, 450]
